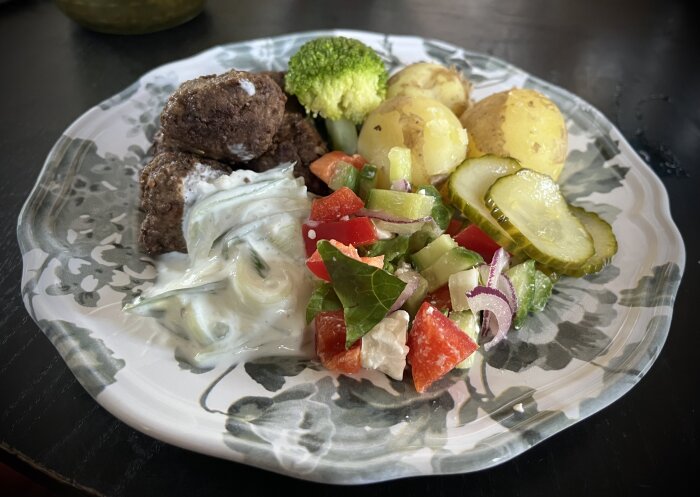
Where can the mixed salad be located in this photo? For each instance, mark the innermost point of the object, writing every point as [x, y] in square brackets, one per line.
[436, 241]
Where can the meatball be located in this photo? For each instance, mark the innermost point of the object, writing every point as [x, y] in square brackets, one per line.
[232, 117]
[158, 146]
[293, 104]
[297, 140]
[164, 188]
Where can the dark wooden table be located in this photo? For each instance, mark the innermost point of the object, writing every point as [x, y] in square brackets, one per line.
[635, 60]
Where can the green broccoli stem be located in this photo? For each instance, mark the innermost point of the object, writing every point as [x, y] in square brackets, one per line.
[343, 135]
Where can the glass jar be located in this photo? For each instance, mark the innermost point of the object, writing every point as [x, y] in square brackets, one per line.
[130, 16]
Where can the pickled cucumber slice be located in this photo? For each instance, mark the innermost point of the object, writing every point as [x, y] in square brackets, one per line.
[468, 185]
[604, 241]
[530, 207]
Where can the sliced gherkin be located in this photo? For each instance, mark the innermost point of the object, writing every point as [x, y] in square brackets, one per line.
[604, 241]
[530, 208]
[466, 189]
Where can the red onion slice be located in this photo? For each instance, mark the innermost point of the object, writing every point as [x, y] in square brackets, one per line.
[493, 279]
[485, 324]
[384, 216]
[506, 286]
[498, 264]
[401, 185]
[495, 306]
[411, 279]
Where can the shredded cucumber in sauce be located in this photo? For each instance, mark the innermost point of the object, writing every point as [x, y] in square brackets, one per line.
[243, 285]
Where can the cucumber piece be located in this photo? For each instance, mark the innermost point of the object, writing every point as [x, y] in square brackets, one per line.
[433, 251]
[460, 284]
[199, 324]
[468, 322]
[399, 164]
[457, 259]
[523, 278]
[400, 204]
[414, 301]
[418, 240]
[441, 213]
[530, 207]
[468, 185]
[543, 290]
[344, 175]
[343, 135]
[604, 241]
[366, 181]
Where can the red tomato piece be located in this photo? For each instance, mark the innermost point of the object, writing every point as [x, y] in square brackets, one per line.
[324, 166]
[355, 231]
[473, 238]
[435, 346]
[315, 262]
[356, 160]
[455, 226]
[330, 343]
[440, 298]
[342, 202]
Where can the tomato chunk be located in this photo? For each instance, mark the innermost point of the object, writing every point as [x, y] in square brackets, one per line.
[330, 343]
[455, 226]
[440, 298]
[355, 231]
[342, 202]
[324, 166]
[473, 238]
[316, 265]
[435, 346]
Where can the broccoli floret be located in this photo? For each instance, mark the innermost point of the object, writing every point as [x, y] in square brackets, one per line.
[338, 78]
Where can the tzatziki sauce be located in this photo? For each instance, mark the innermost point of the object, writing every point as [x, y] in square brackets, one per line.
[242, 288]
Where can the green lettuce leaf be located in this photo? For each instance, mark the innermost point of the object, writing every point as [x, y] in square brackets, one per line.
[366, 292]
[392, 249]
[322, 299]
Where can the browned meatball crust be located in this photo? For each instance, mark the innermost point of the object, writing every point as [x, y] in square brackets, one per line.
[293, 104]
[232, 117]
[163, 198]
[297, 140]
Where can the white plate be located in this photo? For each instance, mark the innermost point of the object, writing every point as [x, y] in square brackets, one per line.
[596, 338]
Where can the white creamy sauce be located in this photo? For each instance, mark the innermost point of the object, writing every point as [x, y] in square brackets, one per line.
[243, 286]
[247, 86]
[191, 182]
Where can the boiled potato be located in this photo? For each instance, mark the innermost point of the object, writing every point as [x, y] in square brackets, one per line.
[425, 79]
[519, 123]
[437, 140]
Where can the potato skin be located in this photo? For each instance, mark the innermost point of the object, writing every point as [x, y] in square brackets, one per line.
[426, 79]
[437, 140]
[519, 123]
